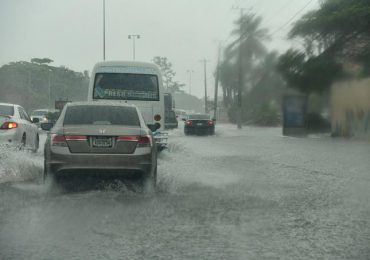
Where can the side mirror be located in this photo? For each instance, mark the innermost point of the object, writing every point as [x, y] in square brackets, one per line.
[35, 120]
[47, 126]
[183, 119]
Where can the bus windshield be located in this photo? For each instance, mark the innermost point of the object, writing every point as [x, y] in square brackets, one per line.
[126, 86]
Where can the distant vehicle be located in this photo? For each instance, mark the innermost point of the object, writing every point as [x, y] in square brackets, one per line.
[101, 138]
[199, 124]
[40, 114]
[181, 114]
[17, 129]
[59, 104]
[137, 83]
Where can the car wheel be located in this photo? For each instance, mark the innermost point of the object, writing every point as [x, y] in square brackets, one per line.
[150, 181]
[22, 145]
[45, 174]
[48, 175]
[36, 145]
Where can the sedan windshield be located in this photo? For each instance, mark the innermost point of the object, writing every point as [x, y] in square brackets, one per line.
[39, 112]
[6, 110]
[103, 115]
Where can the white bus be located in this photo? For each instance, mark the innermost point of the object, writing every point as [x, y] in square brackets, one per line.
[137, 83]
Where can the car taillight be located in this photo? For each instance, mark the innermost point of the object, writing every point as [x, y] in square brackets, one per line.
[143, 141]
[210, 122]
[189, 122]
[9, 125]
[75, 137]
[58, 140]
[127, 138]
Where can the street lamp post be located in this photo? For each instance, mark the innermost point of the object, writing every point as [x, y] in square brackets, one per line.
[103, 29]
[205, 86]
[49, 86]
[190, 72]
[133, 37]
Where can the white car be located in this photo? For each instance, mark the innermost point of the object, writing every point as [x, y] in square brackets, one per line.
[40, 114]
[17, 129]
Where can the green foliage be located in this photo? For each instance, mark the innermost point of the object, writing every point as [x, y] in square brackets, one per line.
[335, 18]
[41, 61]
[167, 74]
[245, 51]
[337, 33]
[250, 38]
[266, 115]
[262, 85]
[316, 123]
[314, 74]
[28, 84]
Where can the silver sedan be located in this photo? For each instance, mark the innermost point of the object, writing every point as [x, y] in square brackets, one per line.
[101, 138]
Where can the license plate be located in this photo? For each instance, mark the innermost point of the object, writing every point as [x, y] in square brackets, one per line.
[199, 124]
[102, 142]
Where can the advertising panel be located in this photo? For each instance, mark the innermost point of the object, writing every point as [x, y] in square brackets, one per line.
[294, 114]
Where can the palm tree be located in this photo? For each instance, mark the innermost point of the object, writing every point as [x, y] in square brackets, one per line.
[250, 38]
[249, 44]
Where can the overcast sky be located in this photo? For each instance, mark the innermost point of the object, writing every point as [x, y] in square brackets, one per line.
[185, 31]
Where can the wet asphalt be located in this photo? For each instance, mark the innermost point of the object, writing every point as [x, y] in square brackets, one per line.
[241, 194]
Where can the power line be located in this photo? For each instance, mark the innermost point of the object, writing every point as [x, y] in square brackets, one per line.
[278, 11]
[292, 18]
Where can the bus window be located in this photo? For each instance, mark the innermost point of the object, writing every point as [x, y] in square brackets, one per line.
[126, 86]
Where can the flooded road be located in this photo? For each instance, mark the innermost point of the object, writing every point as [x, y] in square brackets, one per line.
[241, 194]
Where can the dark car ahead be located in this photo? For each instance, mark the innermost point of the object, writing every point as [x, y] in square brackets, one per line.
[101, 138]
[199, 124]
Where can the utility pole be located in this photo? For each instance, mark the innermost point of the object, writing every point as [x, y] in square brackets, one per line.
[205, 85]
[49, 87]
[133, 36]
[190, 72]
[241, 78]
[216, 82]
[103, 29]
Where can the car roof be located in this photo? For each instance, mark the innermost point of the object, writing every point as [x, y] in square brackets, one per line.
[115, 63]
[8, 104]
[41, 109]
[189, 115]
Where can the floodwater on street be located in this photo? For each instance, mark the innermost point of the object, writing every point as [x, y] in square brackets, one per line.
[241, 194]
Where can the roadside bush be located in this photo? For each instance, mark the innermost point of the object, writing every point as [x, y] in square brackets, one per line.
[317, 123]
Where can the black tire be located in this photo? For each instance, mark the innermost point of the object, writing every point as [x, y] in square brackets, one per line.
[48, 175]
[37, 144]
[45, 174]
[22, 145]
[149, 181]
